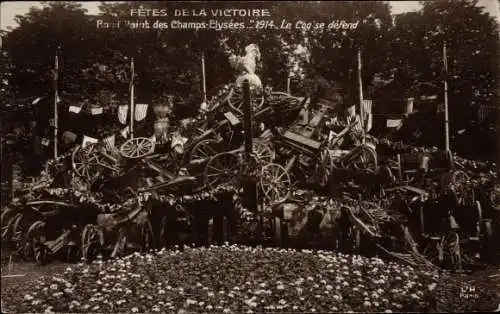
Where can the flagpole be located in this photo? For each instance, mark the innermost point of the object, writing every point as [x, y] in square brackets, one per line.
[132, 111]
[204, 80]
[56, 123]
[360, 82]
[446, 117]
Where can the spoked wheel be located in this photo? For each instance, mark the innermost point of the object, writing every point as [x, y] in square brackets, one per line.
[84, 161]
[137, 147]
[364, 159]
[275, 183]
[8, 218]
[235, 99]
[92, 241]
[202, 152]
[263, 151]
[223, 168]
[35, 242]
[19, 226]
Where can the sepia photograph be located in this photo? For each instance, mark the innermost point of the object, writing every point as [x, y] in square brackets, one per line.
[250, 156]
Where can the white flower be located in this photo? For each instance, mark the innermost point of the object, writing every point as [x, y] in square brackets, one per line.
[134, 310]
[53, 286]
[28, 297]
[367, 304]
[432, 286]
[280, 287]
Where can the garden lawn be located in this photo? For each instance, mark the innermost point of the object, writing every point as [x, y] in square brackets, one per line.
[243, 279]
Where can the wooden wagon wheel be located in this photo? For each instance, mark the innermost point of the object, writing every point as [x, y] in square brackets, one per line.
[365, 159]
[35, 242]
[223, 168]
[262, 151]
[137, 147]
[202, 152]
[18, 228]
[275, 182]
[84, 161]
[235, 99]
[8, 218]
[91, 242]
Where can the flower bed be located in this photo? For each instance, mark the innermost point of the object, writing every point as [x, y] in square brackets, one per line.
[242, 279]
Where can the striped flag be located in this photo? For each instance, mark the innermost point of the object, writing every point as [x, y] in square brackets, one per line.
[367, 106]
[369, 122]
[367, 114]
[110, 141]
[87, 140]
[122, 114]
[141, 111]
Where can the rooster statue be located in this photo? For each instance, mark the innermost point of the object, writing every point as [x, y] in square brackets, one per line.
[246, 66]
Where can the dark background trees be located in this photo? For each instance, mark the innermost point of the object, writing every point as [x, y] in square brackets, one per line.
[402, 55]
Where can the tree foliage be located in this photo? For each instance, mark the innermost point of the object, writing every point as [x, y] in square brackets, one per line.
[401, 55]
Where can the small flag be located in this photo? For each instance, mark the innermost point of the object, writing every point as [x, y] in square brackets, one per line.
[69, 137]
[369, 122]
[45, 142]
[75, 109]
[122, 114]
[153, 138]
[87, 140]
[141, 111]
[110, 141]
[96, 110]
[394, 123]
[125, 132]
[367, 106]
